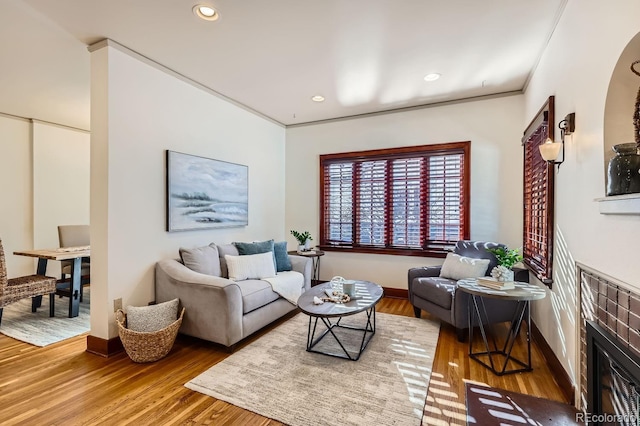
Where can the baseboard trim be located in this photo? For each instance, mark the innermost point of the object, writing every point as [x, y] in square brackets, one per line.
[558, 371]
[396, 293]
[104, 348]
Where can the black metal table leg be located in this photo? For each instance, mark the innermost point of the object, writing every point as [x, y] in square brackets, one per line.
[514, 330]
[75, 288]
[36, 302]
[368, 331]
[316, 268]
[42, 266]
[520, 292]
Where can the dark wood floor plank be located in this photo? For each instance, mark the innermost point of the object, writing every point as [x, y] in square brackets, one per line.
[516, 407]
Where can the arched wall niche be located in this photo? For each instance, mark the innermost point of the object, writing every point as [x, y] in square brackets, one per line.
[620, 103]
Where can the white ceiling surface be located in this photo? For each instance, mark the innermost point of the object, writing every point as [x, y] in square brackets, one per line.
[44, 71]
[362, 55]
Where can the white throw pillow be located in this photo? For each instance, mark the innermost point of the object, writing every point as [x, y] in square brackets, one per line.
[458, 267]
[251, 266]
[153, 317]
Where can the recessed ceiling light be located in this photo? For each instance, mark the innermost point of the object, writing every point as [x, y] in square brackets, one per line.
[432, 77]
[206, 12]
[318, 98]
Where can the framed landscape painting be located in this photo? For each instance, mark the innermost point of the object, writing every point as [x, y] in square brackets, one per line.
[203, 193]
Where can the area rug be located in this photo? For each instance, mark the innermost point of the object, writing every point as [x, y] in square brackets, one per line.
[276, 378]
[37, 328]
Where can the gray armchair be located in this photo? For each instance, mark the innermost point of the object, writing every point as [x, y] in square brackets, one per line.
[438, 296]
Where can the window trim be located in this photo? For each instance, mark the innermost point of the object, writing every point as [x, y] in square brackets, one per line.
[543, 272]
[435, 250]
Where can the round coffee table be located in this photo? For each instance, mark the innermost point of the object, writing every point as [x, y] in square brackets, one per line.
[367, 297]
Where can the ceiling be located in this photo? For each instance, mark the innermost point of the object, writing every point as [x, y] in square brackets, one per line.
[363, 56]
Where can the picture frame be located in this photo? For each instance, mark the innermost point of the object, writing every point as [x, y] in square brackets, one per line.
[203, 193]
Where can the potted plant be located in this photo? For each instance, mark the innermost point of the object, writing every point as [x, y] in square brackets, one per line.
[506, 259]
[304, 239]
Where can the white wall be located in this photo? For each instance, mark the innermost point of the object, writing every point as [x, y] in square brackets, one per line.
[138, 112]
[60, 183]
[45, 170]
[576, 67]
[494, 127]
[16, 205]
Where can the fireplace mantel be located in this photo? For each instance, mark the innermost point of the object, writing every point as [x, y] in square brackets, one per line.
[620, 204]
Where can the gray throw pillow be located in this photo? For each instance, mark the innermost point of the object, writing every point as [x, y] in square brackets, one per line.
[283, 263]
[153, 317]
[204, 260]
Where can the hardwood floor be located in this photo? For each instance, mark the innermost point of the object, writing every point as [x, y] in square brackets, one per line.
[64, 385]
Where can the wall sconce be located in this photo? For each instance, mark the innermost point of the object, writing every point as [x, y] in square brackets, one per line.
[550, 149]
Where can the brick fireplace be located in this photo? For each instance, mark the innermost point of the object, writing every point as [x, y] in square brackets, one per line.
[609, 347]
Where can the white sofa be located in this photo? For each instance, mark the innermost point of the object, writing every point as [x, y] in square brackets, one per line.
[221, 310]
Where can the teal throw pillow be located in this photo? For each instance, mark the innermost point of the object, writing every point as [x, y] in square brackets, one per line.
[283, 263]
[254, 248]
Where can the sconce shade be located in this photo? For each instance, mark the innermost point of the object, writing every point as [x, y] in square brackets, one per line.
[550, 150]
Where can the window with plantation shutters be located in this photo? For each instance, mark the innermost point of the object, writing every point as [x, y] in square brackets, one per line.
[537, 248]
[409, 200]
[339, 202]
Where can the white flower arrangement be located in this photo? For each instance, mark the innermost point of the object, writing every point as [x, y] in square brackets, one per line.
[502, 273]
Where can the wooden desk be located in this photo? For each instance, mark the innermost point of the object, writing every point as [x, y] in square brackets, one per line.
[74, 254]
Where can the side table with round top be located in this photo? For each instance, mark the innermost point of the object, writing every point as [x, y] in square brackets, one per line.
[331, 314]
[523, 293]
[315, 266]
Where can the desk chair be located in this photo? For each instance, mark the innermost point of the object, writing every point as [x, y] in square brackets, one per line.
[33, 286]
[75, 236]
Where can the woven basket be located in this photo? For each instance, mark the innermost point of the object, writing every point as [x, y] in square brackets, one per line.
[147, 346]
